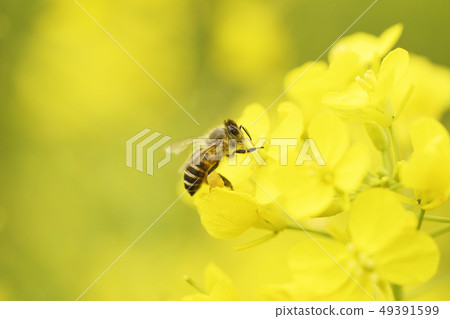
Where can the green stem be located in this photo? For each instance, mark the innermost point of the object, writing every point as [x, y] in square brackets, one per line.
[421, 216]
[441, 231]
[394, 145]
[396, 186]
[194, 285]
[387, 162]
[296, 227]
[398, 293]
[436, 219]
[256, 242]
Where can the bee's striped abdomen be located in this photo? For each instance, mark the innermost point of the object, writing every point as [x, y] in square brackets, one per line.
[194, 174]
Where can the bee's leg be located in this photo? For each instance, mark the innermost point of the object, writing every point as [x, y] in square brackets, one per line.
[226, 182]
[213, 168]
[210, 171]
[245, 130]
[248, 150]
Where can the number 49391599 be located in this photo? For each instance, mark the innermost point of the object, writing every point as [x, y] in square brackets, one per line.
[411, 310]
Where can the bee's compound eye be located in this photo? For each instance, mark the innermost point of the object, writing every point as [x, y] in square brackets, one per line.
[233, 131]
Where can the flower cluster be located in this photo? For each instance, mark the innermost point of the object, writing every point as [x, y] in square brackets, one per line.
[363, 203]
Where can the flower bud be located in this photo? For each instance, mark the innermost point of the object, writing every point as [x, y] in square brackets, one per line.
[378, 135]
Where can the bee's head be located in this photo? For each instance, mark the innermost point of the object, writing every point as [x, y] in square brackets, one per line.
[235, 131]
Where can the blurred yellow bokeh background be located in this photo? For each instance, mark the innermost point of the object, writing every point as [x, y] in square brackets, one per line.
[70, 98]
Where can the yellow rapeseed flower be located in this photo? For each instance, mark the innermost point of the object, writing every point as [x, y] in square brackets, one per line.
[431, 96]
[349, 57]
[218, 286]
[428, 170]
[371, 243]
[384, 247]
[369, 48]
[307, 190]
[227, 214]
[369, 99]
[314, 80]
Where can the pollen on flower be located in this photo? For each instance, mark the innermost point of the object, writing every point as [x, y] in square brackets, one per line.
[214, 180]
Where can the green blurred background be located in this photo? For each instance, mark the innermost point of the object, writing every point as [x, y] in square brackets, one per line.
[70, 98]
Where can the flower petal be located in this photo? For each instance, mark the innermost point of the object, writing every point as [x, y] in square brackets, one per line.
[428, 173]
[426, 129]
[428, 170]
[314, 270]
[307, 78]
[352, 291]
[270, 220]
[303, 191]
[218, 286]
[226, 214]
[388, 38]
[353, 99]
[331, 137]
[255, 112]
[290, 122]
[343, 70]
[290, 126]
[411, 259]
[376, 220]
[283, 292]
[393, 68]
[352, 168]
[367, 46]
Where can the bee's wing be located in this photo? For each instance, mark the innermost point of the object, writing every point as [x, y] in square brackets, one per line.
[192, 143]
[197, 155]
[180, 146]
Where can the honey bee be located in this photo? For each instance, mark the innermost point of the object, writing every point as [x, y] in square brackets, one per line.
[224, 140]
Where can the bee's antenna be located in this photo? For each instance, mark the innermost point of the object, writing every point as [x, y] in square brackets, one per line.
[245, 130]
